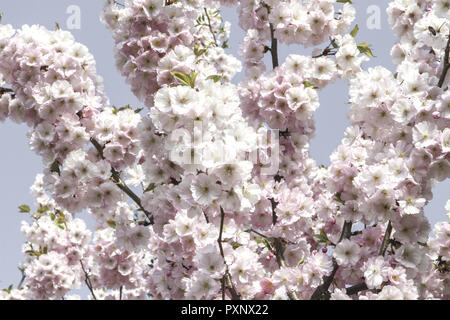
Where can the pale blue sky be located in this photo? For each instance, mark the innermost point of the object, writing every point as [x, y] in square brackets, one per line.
[20, 165]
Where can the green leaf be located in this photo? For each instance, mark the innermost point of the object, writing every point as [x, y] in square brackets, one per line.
[9, 289]
[215, 77]
[321, 237]
[111, 223]
[235, 244]
[301, 262]
[24, 208]
[192, 76]
[52, 216]
[431, 29]
[138, 110]
[150, 187]
[308, 84]
[45, 250]
[338, 197]
[354, 32]
[182, 77]
[42, 209]
[55, 167]
[364, 48]
[197, 51]
[423, 244]
[345, 1]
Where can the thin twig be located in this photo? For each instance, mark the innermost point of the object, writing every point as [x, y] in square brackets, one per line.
[387, 236]
[87, 280]
[279, 250]
[19, 286]
[210, 27]
[115, 175]
[446, 64]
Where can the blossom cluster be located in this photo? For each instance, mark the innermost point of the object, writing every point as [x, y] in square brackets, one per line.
[182, 201]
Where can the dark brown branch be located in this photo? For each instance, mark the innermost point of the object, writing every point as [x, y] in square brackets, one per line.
[226, 279]
[446, 64]
[119, 182]
[321, 292]
[273, 47]
[279, 250]
[7, 90]
[384, 244]
[328, 51]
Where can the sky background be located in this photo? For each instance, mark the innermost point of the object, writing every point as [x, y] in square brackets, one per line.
[19, 165]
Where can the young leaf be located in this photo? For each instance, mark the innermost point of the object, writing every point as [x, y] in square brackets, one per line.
[308, 84]
[192, 76]
[111, 223]
[364, 48]
[24, 208]
[43, 209]
[322, 237]
[354, 32]
[55, 167]
[214, 77]
[345, 1]
[182, 77]
[150, 187]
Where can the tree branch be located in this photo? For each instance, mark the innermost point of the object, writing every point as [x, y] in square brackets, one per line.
[19, 286]
[279, 250]
[210, 27]
[87, 280]
[273, 48]
[119, 182]
[7, 90]
[384, 244]
[446, 64]
[226, 279]
[321, 292]
[356, 288]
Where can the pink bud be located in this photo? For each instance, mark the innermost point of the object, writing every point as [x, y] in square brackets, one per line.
[324, 249]
[436, 115]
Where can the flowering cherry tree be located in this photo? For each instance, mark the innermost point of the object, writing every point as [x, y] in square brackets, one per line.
[210, 192]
